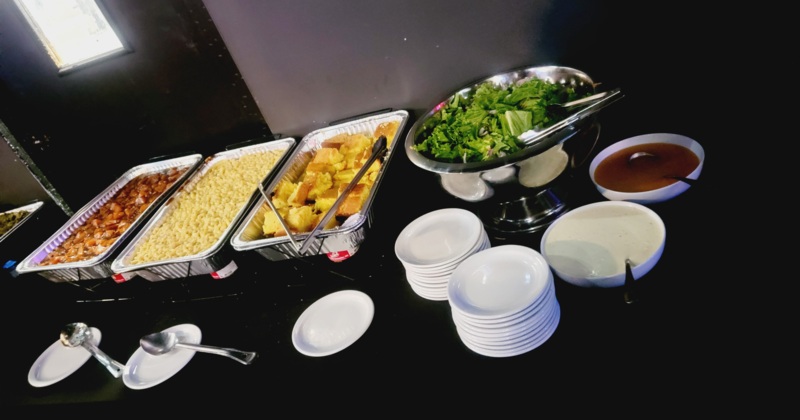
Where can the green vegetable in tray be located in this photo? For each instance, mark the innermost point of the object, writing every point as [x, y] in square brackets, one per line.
[487, 122]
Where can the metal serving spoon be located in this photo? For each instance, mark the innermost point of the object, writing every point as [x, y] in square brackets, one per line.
[647, 155]
[78, 334]
[163, 342]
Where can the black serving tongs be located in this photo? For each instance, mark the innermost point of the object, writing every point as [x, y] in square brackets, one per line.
[378, 149]
[589, 106]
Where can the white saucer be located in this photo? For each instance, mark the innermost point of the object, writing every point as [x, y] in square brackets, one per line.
[438, 238]
[59, 361]
[144, 370]
[332, 323]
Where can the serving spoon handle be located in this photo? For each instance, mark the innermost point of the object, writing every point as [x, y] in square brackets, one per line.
[116, 368]
[243, 357]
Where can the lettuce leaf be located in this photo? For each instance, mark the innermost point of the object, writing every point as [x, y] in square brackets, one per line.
[486, 122]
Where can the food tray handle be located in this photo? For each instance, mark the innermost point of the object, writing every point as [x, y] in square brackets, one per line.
[364, 115]
[170, 156]
[276, 136]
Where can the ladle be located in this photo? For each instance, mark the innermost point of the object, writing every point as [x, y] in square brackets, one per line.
[648, 155]
[165, 341]
[79, 334]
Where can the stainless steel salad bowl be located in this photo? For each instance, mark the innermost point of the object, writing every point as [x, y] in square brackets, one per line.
[523, 191]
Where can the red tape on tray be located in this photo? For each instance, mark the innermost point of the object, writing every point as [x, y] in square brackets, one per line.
[338, 256]
[123, 277]
[225, 271]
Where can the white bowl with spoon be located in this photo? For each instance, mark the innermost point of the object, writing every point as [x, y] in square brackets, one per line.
[647, 169]
[588, 246]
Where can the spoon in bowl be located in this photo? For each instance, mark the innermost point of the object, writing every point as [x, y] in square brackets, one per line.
[629, 295]
[648, 155]
[165, 341]
[78, 334]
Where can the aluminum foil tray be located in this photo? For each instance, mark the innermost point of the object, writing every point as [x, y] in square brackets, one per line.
[212, 260]
[338, 243]
[29, 209]
[100, 266]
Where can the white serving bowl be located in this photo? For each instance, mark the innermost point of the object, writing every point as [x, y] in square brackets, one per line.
[588, 245]
[646, 180]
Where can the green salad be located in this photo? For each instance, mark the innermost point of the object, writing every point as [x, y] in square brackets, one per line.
[486, 122]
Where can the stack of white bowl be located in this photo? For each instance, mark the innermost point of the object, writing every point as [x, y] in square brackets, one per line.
[503, 301]
[434, 244]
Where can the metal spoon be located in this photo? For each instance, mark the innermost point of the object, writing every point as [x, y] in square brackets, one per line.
[79, 334]
[640, 155]
[163, 342]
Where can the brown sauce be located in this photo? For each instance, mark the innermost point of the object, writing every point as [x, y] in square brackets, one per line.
[646, 173]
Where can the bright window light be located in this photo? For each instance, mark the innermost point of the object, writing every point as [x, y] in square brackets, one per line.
[74, 32]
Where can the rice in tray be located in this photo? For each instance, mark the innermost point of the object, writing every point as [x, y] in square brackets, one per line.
[201, 216]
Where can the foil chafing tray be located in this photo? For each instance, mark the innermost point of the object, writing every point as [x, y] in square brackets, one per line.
[28, 210]
[338, 243]
[213, 260]
[100, 266]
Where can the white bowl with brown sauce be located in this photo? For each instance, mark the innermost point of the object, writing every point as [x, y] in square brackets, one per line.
[644, 169]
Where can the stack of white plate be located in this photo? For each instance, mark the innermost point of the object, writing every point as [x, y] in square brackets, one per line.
[434, 244]
[503, 301]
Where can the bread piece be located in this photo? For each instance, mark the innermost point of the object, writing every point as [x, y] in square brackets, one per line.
[354, 201]
[355, 146]
[336, 141]
[344, 177]
[375, 167]
[280, 198]
[318, 183]
[388, 129]
[331, 223]
[299, 195]
[320, 167]
[272, 226]
[330, 156]
[301, 219]
[325, 200]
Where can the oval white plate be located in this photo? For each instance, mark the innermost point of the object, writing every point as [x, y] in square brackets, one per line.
[59, 361]
[498, 282]
[144, 370]
[439, 238]
[332, 323]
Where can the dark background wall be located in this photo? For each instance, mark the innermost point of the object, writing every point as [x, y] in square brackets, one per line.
[206, 73]
[177, 91]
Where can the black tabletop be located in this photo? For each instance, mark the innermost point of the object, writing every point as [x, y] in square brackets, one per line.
[684, 320]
